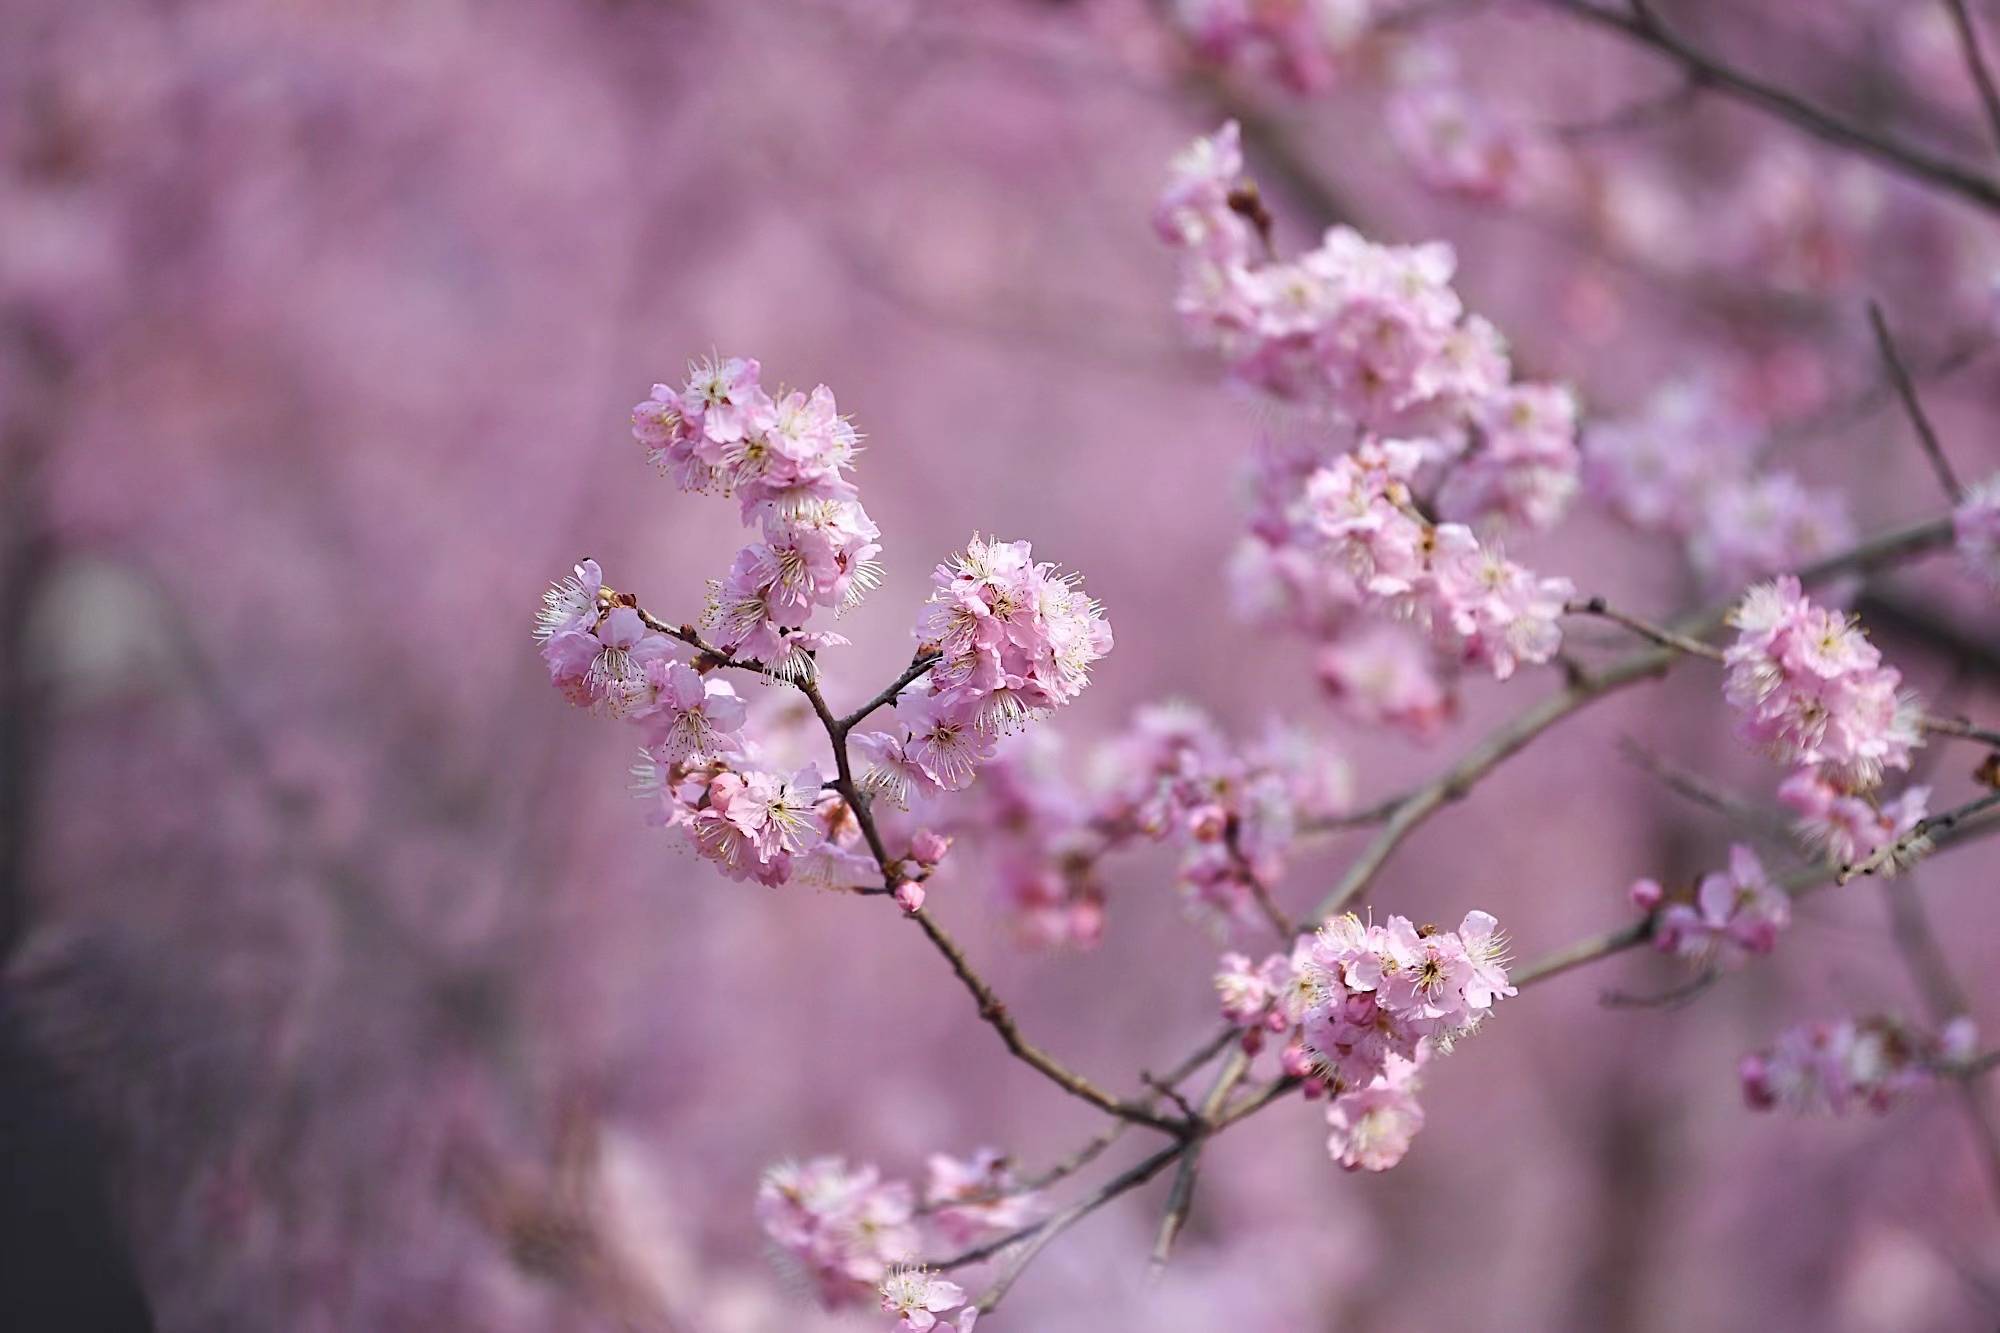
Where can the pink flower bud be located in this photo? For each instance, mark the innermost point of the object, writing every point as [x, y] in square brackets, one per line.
[929, 846]
[1756, 1083]
[1646, 894]
[910, 895]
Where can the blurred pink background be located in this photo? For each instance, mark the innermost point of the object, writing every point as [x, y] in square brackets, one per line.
[340, 935]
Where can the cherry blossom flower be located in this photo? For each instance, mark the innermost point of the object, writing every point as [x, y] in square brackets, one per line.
[1735, 913]
[1372, 1127]
[919, 1296]
[691, 715]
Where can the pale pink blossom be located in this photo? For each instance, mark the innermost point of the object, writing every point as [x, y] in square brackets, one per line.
[1372, 1127]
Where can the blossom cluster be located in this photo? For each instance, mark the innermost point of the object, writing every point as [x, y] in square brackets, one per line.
[1684, 466]
[1004, 637]
[1484, 607]
[1849, 1064]
[1372, 337]
[1362, 1007]
[1418, 439]
[786, 460]
[1810, 689]
[1731, 914]
[856, 1236]
[1012, 638]
[1299, 42]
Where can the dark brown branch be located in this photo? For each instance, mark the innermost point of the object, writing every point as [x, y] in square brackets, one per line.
[992, 1011]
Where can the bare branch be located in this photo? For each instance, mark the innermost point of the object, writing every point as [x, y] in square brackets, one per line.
[1920, 164]
[1975, 64]
[1899, 375]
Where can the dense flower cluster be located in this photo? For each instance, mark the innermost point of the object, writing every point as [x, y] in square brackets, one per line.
[1370, 1129]
[1811, 689]
[1361, 1007]
[1731, 914]
[1414, 412]
[1014, 638]
[786, 461]
[1849, 1064]
[1976, 525]
[1372, 334]
[1484, 607]
[1006, 638]
[1685, 466]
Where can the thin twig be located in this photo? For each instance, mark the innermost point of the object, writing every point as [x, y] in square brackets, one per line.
[921, 663]
[1930, 968]
[1919, 840]
[1232, 842]
[1684, 782]
[1964, 825]
[1909, 159]
[1180, 1199]
[991, 1010]
[1666, 638]
[1578, 693]
[1906, 389]
[1952, 726]
[1975, 64]
[1048, 1230]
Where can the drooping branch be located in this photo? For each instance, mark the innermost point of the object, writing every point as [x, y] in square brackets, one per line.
[992, 1011]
